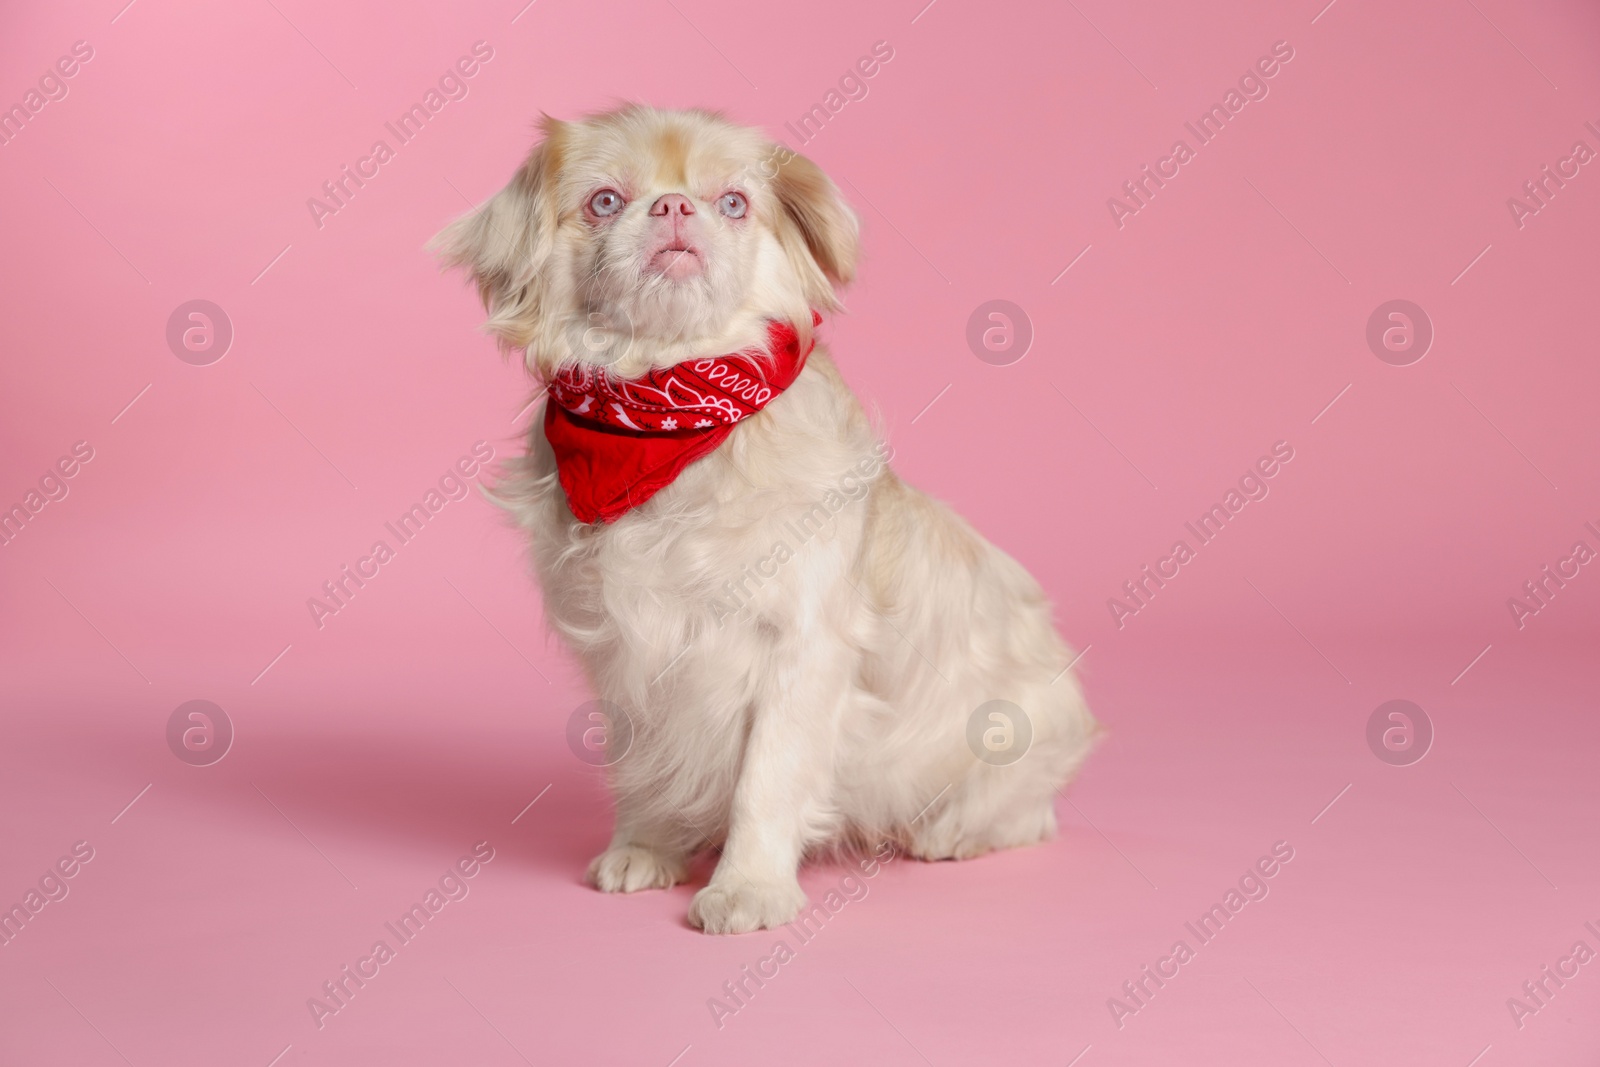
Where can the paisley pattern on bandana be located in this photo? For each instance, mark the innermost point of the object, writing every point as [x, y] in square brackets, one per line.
[619, 442]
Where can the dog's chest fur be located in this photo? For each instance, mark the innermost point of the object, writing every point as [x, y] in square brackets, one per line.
[773, 517]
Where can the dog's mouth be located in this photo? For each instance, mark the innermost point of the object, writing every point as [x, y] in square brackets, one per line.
[677, 260]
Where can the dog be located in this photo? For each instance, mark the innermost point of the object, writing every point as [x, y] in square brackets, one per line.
[808, 654]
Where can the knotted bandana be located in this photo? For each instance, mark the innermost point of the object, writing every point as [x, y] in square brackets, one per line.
[620, 442]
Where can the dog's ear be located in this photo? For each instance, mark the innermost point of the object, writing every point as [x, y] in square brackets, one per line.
[506, 243]
[822, 221]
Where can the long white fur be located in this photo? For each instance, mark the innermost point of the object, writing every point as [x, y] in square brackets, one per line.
[830, 710]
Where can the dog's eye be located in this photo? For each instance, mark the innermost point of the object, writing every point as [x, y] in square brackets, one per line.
[733, 205]
[606, 202]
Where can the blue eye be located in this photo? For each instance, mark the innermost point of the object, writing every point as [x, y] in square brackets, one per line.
[733, 205]
[606, 202]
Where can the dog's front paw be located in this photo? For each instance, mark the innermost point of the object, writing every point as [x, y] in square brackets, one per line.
[630, 868]
[739, 909]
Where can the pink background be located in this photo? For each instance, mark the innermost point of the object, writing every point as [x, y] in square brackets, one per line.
[424, 717]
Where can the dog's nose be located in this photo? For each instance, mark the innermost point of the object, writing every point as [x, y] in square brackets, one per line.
[672, 204]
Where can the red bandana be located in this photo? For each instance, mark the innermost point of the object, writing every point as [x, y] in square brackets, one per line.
[619, 443]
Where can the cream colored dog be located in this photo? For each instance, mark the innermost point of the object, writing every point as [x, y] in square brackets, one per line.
[874, 680]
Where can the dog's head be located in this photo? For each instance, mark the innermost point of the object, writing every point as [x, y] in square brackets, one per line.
[641, 237]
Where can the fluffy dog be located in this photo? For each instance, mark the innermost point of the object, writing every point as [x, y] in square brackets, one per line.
[810, 653]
